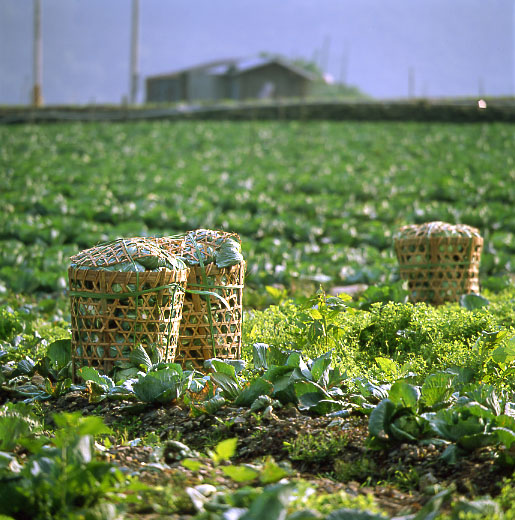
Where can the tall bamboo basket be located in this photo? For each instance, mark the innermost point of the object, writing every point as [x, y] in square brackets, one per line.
[440, 261]
[113, 312]
[209, 328]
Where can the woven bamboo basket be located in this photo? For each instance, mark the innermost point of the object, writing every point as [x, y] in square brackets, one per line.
[209, 328]
[440, 261]
[113, 312]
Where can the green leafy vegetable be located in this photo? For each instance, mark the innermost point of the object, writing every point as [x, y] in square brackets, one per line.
[228, 254]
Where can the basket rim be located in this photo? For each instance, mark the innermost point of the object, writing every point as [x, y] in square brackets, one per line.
[426, 238]
[130, 276]
[437, 229]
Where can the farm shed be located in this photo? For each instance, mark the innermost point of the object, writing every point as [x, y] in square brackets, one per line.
[231, 79]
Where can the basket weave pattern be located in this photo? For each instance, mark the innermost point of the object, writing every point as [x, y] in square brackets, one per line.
[439, 261]
[112, 312]
[197, 342]
[209, 328]
[124, 253]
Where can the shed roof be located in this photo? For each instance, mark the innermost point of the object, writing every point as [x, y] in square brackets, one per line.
[239, 66]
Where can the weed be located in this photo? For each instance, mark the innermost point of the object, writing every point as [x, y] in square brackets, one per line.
[171, 434]
[405, 479]
[60, 476]
[126, 429]
[151, 439]
[316, 448]
[326, 503]
[506, 498]
[359, 469]
[215, 435]
[168, 498]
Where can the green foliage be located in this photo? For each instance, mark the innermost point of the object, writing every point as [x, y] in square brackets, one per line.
[163, 383]
[472, 302]
[319, 323]
[494, 356]
[396, 329]
[506, 498]
[476, 420]
[406, 479]
[324, 503]
[416, 338]
[352, 514]
[56, 365]
[160, 386]
[359, 470]
[395, 292]
[316, 448]
[272, 182]
[417, 371]
[392, 422]
[469, 416]
[281, 375]
[11, 324]
[29, 327]
[224, 450]
[61, 477]
[266, 473]
[17, 422]
[447, 403]
[501, 306]
[437, 388]
[275, 325]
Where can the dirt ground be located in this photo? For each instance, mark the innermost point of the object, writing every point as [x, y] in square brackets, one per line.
[400, 480]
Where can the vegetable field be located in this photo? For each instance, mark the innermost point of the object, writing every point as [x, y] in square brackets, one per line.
[313, 201]
[341, 408]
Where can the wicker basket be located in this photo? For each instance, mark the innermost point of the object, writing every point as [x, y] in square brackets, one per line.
[112, 312]
[209, 328]
[440, 261]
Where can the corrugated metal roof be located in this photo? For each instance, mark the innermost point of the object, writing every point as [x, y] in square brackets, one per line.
[211, 64]
[220, 70]
[239, 66]
[253, 63]
[247, 64]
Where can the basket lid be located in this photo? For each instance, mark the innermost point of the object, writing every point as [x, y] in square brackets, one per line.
[126, 255]
[436, 229]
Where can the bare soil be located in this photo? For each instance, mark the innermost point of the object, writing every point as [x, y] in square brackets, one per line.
[400, 480]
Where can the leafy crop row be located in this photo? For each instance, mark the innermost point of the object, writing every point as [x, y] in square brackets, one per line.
[312, 201]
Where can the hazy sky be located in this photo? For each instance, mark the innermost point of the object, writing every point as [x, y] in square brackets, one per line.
[453, 47]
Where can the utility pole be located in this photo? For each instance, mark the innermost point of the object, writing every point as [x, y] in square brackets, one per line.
[37, 73]
[134, 76]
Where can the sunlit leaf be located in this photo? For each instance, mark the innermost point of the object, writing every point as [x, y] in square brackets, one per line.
[471, 302]
[226, 449]
[256, 388]
[404, 394]
[229, 385]
[240, 473]
[60, 353]
[380, 418]
[437, 388]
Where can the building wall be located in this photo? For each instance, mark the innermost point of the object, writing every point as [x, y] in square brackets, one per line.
[188, 86]
[270, 81]
[166, 89]
[202, 86]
